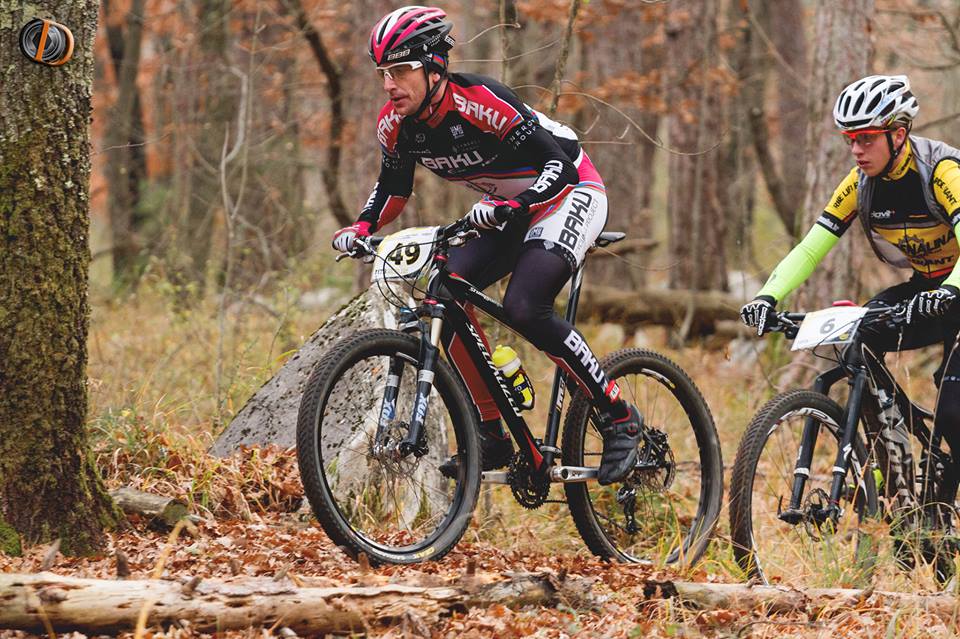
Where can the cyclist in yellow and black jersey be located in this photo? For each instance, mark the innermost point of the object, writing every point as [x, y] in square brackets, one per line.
[905, 191]
[902, 228]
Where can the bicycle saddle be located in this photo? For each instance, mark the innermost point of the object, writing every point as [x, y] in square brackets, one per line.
[609, 237]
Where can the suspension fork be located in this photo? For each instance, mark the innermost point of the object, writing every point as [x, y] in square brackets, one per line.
[415, 442]
[808, 440]
[851, 421]
[388, 408]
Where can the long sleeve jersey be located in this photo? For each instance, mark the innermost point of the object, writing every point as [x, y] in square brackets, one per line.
[481, 135]
[898, 214]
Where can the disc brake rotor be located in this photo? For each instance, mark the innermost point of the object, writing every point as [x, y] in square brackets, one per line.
[387, 450]
[657, 465]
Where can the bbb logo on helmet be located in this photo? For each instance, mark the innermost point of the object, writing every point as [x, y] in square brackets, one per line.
[398, 54]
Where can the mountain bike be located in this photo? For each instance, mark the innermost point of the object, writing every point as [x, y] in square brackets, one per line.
[382, 410]
[810, 487]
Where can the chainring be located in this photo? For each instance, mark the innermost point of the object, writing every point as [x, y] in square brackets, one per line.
[528, 489]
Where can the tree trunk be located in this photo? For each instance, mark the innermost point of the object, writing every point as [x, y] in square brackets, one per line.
[565, 44]
[697, 228]
[213, 110]
[786, 22]
[780, 600]
[48, 485]
[843, 54]
[215, 605]
[508, 16]
[736, 167]
[658, 306]
[123, 173]
[334, 85]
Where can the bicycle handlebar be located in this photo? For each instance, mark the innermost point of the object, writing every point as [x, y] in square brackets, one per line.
[462, 229]
[789, 323]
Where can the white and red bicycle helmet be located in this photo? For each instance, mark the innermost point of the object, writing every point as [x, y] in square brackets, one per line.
[411, 33]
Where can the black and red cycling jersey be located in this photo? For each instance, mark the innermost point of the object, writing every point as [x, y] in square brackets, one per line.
[480, 134]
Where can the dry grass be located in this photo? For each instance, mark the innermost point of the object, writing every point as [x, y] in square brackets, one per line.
[154, 410]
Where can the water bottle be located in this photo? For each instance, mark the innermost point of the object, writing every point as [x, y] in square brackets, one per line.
[508, 363]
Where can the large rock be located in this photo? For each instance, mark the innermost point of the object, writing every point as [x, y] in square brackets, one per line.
[270, 415]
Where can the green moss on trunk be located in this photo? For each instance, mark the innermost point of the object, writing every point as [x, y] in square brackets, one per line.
[9, 540]
[49, 486]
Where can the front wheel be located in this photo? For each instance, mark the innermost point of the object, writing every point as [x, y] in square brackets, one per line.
[804, 547]
[368, 497]
[666, 510]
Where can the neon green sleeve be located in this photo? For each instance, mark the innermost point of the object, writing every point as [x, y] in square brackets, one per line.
[796, 267]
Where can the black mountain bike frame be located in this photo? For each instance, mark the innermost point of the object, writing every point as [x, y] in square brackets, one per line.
[859, 365]
[446, 298]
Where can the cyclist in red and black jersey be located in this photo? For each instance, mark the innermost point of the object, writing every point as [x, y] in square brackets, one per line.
[543, 206]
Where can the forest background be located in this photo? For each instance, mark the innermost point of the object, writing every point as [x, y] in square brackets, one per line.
[231, 138]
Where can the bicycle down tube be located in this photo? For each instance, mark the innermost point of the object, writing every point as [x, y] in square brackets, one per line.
[447, 295]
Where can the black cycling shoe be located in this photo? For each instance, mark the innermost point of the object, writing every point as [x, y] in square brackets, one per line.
[495, 452]
[620, 439]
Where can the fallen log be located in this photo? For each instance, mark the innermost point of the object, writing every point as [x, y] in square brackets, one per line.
[30, 602]
[783, 599]
[658, 306]
[164, 512]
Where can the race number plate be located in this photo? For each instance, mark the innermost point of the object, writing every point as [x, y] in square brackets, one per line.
[829, 326]
[403, 254]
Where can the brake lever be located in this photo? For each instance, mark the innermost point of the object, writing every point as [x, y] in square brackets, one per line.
[463, 237]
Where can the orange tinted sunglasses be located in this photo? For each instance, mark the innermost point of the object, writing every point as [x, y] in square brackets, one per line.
[865, 137]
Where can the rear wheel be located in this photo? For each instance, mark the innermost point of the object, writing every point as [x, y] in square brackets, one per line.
[666, 510]
[368, 497]
[814, 551]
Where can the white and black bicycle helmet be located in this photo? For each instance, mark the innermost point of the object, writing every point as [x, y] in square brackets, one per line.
[875, 102]
[879, 103]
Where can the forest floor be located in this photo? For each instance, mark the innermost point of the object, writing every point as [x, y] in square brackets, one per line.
[163, 380]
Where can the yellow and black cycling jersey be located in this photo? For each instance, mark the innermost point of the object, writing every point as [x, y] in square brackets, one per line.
[899, 214]
[908, 233]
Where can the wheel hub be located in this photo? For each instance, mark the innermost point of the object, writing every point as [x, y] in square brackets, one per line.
[656, 465]
[387, 449]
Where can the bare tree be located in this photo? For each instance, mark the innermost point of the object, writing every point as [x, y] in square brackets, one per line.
[335, 92]
[697, 226]
[209, 98]
[843, 54]
[791, 68]
[126, 161]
